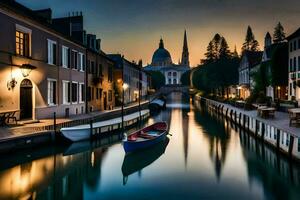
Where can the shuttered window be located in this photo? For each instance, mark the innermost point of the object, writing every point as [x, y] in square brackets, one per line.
[51, 92]
[51, 52]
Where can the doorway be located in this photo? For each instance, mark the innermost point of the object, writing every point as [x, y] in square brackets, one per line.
[26, 99]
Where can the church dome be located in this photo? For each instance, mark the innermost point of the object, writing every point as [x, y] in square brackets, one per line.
[161, 56]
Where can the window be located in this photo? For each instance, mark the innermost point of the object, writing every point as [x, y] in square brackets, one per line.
[298, 144]
[92, 93]
[66, 92]
[22, 43]
[174, 74]
[100, 70]
[287, 141]
[74, 92]
[81, 92]
[170, 74]
[65, 57]
[174, 81]
[291, 46]
[93, 71]
[295, 45]
[295, 64]
[74, 58]
[298, 43]
[109, 95]
[97, 93]
[51, 92]
[298, 63]
[51, 52]
[81, 62]
[89, 94]
[291, 65]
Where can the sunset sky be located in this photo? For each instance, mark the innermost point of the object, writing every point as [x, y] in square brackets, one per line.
[134, 27]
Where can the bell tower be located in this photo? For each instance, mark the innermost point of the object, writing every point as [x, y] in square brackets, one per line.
[185, 52]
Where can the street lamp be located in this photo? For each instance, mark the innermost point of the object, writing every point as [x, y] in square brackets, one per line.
[26, 69]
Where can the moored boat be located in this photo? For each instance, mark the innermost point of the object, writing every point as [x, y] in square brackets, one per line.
[145, 137]
[83, 132]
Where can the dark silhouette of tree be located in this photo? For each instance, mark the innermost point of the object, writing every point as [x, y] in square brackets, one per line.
[224, 51]
[216, 49]
[185, 78]
[157, 79]
[209, 55]
[279, 34]
[250, 44]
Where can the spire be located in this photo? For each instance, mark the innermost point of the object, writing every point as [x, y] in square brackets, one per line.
[268, 40]
[185, 52]
[161, 44]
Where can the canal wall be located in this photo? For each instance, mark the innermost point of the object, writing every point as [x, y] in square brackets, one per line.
[50, 134]
[283, 140]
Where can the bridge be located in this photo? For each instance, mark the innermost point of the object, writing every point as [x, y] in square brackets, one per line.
[168, 89]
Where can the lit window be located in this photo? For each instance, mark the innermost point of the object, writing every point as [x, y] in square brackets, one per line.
[22, 43]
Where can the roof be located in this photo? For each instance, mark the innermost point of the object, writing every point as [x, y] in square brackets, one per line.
[254, 57]
[161, 54]
[118, 59]
[18, 8]
[294, 35]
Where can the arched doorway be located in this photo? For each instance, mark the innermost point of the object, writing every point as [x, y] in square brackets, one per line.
[26, 99]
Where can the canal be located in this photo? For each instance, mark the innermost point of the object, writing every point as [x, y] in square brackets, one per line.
[205, 157]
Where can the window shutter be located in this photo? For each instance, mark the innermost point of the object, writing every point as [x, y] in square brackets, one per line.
[54, 53]
[83, 62]
[69, 58]
[54, 92]
[69, 92]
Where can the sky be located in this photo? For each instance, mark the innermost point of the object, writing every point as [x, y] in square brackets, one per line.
[134, 27]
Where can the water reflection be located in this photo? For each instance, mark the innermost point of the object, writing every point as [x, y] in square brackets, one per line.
[136, 161]
[206, 157]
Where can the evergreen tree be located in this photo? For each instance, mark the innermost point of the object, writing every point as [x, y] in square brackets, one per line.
[224, 51]
[209, 55]
[217, 45]
[279, 35]
[250, 44]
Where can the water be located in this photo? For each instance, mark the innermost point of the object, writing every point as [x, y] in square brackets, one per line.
[205, 158]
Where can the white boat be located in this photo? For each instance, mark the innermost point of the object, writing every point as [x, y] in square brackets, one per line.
[83, 132]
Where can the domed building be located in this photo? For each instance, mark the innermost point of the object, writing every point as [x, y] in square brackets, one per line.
[162, 61]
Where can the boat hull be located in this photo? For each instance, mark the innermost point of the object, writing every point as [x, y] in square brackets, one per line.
[131, 146]
[77, 135]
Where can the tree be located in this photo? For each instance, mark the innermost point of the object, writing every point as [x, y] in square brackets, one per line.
[250, 44]
[217, 45]
[224, 51]
[209, 55]
[157, 79]
[185, 78]
[279, 35]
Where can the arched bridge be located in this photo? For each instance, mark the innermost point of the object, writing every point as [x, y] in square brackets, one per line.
[168, 89]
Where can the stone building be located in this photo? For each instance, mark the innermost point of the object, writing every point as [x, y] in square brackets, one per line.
[294, 66]
[41, 70]
[162, 61]
[99, 73]
[131, 79]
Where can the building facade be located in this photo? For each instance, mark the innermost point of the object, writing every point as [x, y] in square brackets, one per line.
[249, 61]
[133, 75]
[162, 61]
[294, 66]
[100, 90]
[41, 70]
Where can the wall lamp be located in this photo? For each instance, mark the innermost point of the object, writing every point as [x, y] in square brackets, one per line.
[26, 69]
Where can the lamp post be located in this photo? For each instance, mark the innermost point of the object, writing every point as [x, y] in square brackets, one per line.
[124, 88]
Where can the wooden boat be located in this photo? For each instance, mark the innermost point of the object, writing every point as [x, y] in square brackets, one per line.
[83, 132]
[138, 160]
[145, 137]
